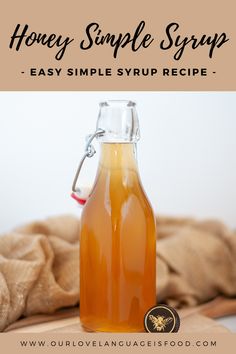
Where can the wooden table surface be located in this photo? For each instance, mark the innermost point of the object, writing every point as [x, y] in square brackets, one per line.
[67, 321]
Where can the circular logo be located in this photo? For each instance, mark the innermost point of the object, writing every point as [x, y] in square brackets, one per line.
[161, 319]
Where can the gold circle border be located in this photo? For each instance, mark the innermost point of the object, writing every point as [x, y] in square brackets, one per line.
[155, 307]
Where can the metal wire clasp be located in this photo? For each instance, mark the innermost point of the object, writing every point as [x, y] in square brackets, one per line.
[89, 152]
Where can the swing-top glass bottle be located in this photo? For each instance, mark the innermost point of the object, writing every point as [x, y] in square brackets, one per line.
[118, 232]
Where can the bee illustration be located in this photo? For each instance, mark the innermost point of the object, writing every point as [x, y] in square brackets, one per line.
[160, 322]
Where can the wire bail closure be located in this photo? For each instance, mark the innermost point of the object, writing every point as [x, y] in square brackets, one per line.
[89, 152]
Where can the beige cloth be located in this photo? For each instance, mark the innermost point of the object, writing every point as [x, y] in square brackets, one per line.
[39, 265]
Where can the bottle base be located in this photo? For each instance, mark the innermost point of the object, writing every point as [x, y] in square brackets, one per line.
[111, 328]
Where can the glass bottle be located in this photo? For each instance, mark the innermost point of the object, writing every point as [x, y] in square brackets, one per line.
[118, 233]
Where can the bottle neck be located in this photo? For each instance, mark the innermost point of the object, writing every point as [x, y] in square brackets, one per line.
[118, 156]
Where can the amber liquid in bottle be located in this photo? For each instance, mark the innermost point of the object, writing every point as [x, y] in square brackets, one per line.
[118, 246]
